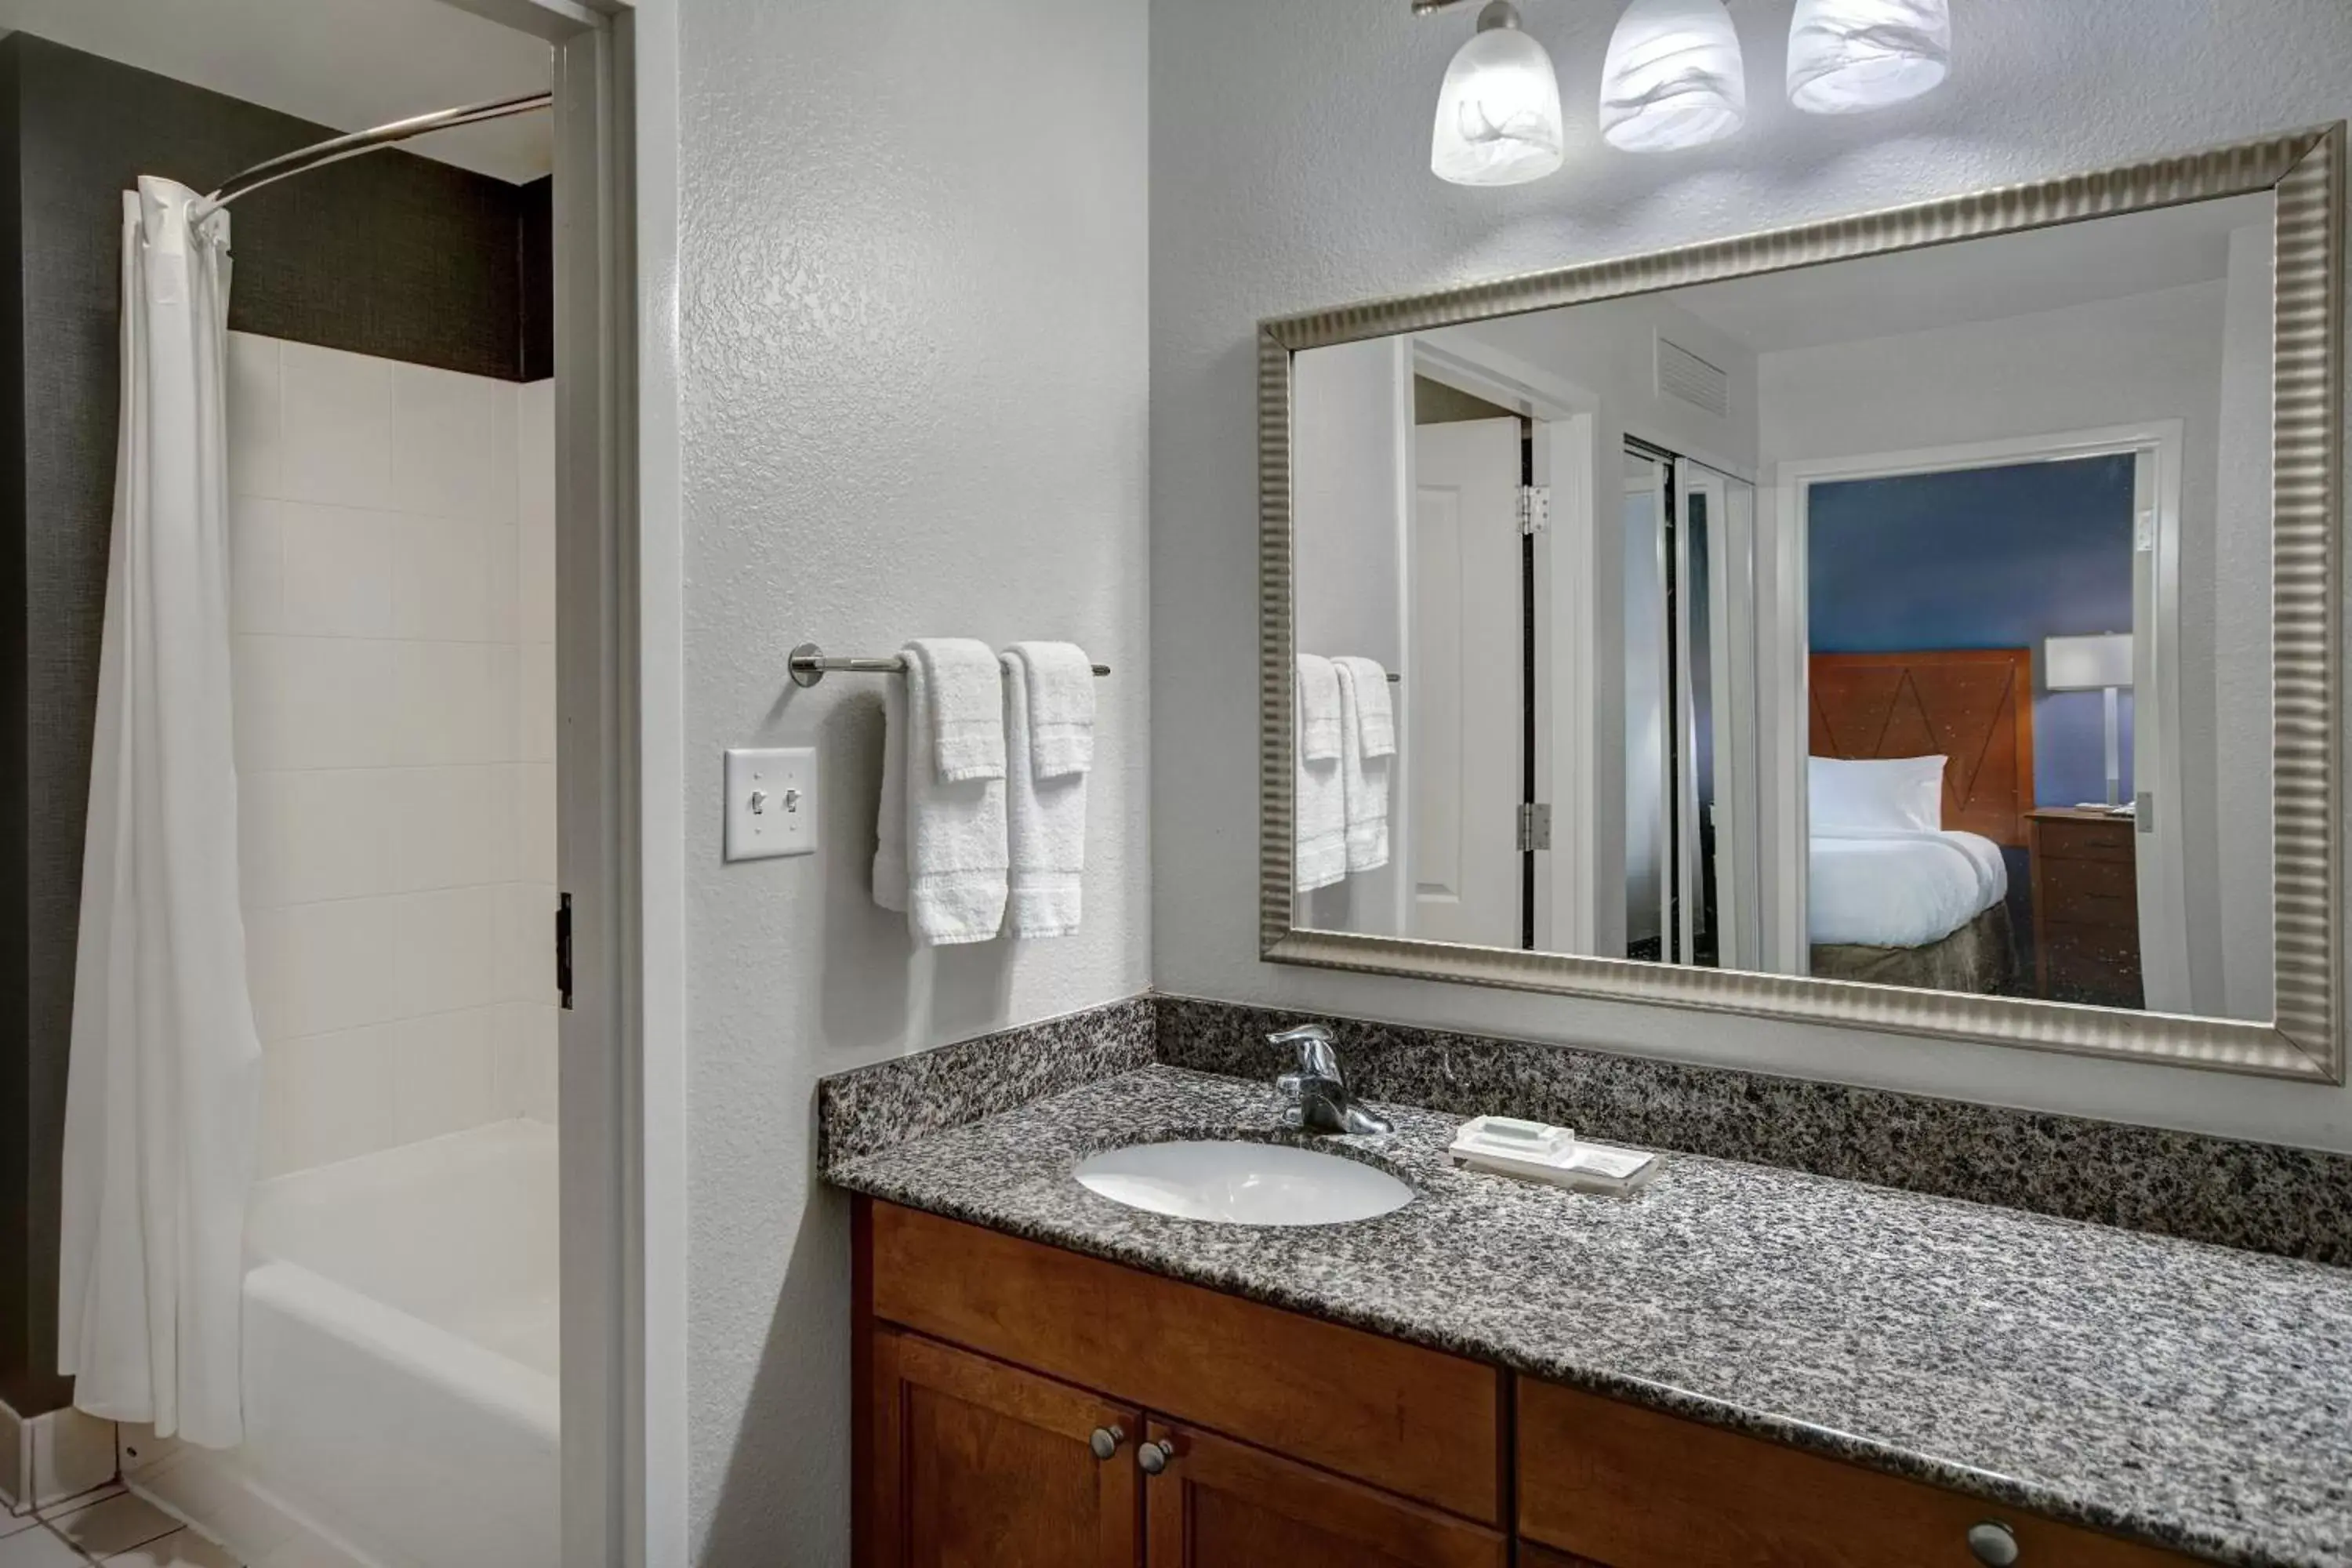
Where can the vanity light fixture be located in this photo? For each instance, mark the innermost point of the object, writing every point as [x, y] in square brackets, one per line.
[1848, 56]
[1498, 120]
[1674, 77]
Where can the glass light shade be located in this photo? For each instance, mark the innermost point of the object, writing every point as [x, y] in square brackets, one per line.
[1498, 119]
[1847, 56]
[1674, 77]
[2087, 663]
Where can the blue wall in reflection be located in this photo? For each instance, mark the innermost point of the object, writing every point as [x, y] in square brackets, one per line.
[1985, 558]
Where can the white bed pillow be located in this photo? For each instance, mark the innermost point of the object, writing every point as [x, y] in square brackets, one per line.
[1905, 792]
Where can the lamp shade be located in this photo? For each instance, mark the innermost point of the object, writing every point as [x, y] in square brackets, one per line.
[2088, 663]
[1498, 120]
[1847, 56]
[1672, 76]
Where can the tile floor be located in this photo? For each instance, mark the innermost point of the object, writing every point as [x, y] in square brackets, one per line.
[109, 1526]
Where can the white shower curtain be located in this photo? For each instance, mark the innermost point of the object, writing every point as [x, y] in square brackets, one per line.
[162, 1097]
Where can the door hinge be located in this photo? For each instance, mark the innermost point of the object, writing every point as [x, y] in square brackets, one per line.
[1535, 826]
[563, 949]
[1535, 508]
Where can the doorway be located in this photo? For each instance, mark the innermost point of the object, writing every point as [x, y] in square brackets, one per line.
[2145, 579]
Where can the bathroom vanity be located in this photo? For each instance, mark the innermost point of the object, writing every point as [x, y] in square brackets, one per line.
[1052, 1408]
[1739, 1365]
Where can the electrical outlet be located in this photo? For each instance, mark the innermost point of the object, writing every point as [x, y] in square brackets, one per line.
[771, 803]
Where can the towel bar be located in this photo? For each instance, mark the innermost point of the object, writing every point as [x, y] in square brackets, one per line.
[810, 664]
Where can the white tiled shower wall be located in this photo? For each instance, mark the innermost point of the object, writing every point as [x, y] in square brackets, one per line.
[393, 535]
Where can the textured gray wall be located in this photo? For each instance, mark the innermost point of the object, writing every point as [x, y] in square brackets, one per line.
[391, 255]
[1289, 170]
[915, 308]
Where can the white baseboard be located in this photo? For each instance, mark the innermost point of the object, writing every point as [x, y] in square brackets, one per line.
[48, 1458]
[210, 1492]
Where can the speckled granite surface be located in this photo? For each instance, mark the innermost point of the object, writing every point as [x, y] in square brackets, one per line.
[2197, 1397]
[2261, 1196]
[908, 1096]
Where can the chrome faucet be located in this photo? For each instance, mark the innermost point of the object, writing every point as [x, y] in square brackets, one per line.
[1320, 1088]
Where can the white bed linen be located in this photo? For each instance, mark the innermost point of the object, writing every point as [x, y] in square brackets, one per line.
[1900, 888]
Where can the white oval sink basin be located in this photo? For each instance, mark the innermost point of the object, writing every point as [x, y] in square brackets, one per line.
[1242, 1183]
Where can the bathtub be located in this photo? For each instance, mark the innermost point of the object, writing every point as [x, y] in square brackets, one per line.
[400, 1366]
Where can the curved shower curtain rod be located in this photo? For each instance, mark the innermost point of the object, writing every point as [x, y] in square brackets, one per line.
[302, 160]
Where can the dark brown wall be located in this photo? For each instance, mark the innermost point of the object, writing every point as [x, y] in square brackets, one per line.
[391, 255]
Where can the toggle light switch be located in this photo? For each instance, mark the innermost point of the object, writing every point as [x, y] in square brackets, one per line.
[771, 803]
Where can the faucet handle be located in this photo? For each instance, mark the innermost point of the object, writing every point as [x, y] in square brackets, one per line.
[1317, 1058]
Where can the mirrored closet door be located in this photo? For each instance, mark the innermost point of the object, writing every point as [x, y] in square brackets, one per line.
[1688, 656]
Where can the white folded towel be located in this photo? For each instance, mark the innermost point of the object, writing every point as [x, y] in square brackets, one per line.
[1319, 709]
[941, 845]
[1045, 783]
[1375, 713]
[967, 692]
[1061, 681]
[1318, 804]
[1363, 777]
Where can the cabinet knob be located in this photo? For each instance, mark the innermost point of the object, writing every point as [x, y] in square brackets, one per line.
[1106, 1441]
[1154, 1456]
[1992, 1543]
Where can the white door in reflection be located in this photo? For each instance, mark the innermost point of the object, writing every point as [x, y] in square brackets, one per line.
[1468, 644]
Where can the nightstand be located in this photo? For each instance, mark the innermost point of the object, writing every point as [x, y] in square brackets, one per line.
[2086, 906]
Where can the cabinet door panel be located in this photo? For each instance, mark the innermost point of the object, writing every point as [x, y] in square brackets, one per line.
[1222, 1504]
[979, 1464]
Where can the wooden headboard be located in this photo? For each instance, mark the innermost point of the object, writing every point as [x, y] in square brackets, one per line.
[1974, 706]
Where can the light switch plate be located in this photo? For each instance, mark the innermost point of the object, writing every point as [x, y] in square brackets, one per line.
[771, 803]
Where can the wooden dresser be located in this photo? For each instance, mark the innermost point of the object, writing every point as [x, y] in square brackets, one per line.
[2086, 906]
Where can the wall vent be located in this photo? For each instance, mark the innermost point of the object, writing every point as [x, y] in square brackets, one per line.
[1682, 374]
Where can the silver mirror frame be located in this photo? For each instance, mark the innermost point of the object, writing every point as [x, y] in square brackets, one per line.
[2306, 169]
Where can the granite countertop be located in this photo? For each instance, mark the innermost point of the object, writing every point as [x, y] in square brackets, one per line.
[2198, 1396]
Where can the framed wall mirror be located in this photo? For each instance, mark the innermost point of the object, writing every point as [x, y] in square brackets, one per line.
[1927, 622]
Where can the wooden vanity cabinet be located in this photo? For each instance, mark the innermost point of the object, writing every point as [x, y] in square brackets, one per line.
[1006, 1390]
[986, 1365]
[1418, 1423]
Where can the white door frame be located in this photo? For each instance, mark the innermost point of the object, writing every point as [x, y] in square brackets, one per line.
[1563, 415]
[1784, 695]
[620, 705]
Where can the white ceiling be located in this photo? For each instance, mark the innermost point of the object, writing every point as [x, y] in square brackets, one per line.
[1977, 281]
[348, 64]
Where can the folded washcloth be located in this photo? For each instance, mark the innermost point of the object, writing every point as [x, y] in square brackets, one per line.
[940, 839]
[1319, 709]
[967, 714]
[1061, 708]
[1363, 777]
[1375, 713]
[1045, 799]
[1318, 804]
